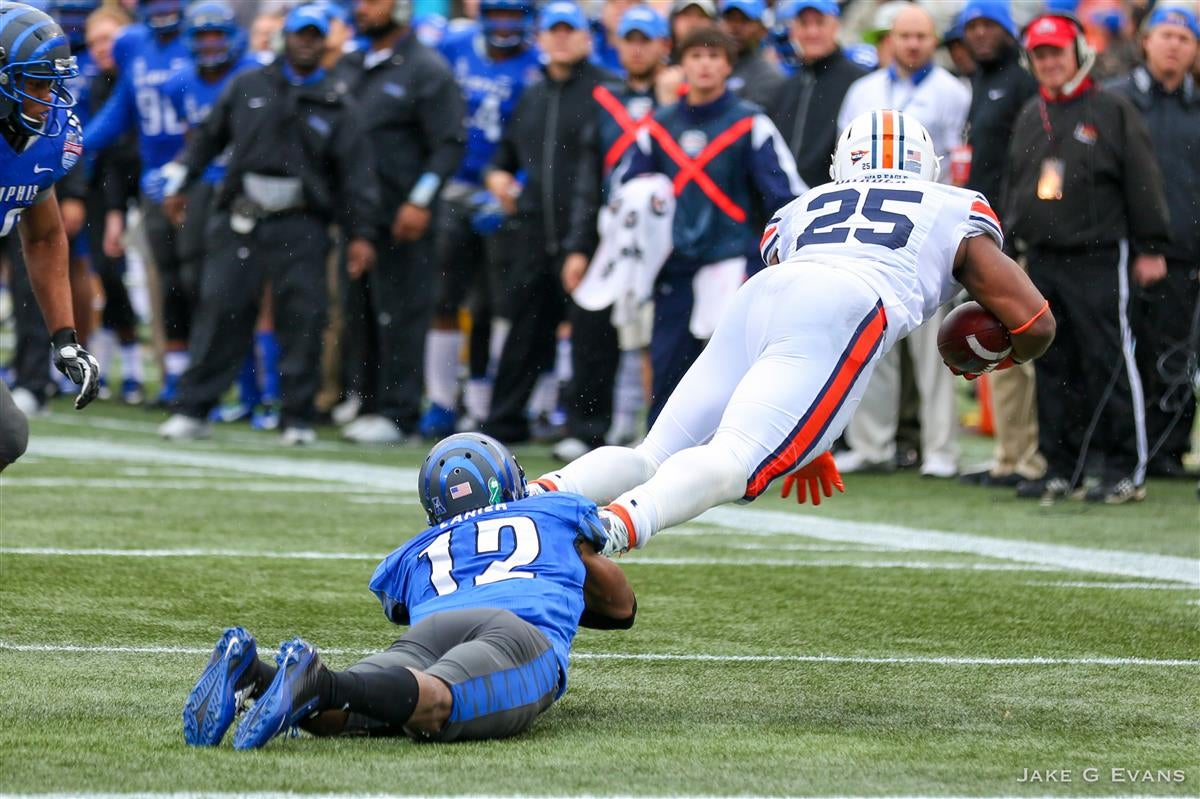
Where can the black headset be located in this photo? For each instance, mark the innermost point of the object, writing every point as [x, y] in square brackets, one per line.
[1085, 56]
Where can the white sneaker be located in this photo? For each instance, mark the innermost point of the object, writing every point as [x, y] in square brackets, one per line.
[27, 403]
[939, 466]
[184, 428]
[623, 433]
[569, 449]
[467, 424]
[851, 461]
[373, 430]
[347, 410]
[298, 436]
[617, 542]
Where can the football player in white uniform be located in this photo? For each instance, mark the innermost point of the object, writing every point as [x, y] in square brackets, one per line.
[857, 264]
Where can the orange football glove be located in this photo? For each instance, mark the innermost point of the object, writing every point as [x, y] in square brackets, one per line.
[819, 476]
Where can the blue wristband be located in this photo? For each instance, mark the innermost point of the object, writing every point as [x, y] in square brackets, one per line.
[426, 190]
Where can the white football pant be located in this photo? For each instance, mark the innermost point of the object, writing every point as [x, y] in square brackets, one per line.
[776, 385]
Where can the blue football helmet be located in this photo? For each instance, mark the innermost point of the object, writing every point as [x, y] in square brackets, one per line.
[506, 34]
[468, 471]
[71, 16]
[33, 47]
[163, 17]
[213, 16]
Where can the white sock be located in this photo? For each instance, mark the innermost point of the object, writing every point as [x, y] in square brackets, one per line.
[499, 335]
[628, 396]
[603, 473]
[562, 361]
[477, 398]
[686, 484]
[544, 398]
[131, 362]
[102, 344]
[175, 362]
[442, 348]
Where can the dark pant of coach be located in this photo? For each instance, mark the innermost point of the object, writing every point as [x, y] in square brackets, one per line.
[1165, 321]
[1090, 369]
[388, 311]
[289, 250]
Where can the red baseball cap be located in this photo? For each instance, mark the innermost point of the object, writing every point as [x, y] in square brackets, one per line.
[1050, 30]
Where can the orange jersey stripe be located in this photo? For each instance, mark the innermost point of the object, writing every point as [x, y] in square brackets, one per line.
[827, 404]
[980, 207]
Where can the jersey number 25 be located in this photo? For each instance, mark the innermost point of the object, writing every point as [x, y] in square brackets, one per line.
[827, 228]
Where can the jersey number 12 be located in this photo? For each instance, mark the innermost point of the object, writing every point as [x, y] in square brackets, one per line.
[487, 540]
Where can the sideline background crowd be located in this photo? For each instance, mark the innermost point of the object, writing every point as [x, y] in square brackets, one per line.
[389, 185]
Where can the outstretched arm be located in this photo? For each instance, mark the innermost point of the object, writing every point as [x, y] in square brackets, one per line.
[999, 284]
[609, 603]
[44, 244]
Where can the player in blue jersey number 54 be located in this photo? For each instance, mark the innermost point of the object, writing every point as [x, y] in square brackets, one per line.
[495, 590]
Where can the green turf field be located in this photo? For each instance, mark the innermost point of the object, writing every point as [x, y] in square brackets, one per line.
[911, 637]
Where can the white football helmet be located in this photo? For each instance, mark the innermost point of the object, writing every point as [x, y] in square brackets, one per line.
[885, 141]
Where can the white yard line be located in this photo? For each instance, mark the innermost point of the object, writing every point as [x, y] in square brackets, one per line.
[187, 553]
[633, 560]
[362, 475]
[1116, 586]
[900, 660]
[402, 480]
[1100, 561]
[202, 484]
[290, 795]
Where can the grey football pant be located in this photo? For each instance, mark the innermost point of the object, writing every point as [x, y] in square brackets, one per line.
[501, 671]
[14, 429]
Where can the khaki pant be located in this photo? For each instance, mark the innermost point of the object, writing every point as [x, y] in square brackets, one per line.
[872, 430]
[1014, 410]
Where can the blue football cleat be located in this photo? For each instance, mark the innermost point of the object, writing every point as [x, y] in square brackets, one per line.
[170, 388]
[266, 417]
[132, 391]
[221, 690]
[230, 412]
[437, 423]
[292, 696]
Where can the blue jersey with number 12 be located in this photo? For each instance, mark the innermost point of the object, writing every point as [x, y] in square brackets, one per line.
[517, 556]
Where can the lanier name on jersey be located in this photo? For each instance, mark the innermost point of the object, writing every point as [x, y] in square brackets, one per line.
[471, 514]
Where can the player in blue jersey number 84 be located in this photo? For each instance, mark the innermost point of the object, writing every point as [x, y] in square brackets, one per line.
[494, 590]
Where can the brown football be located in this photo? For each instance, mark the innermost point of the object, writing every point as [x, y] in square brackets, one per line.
[971, 338]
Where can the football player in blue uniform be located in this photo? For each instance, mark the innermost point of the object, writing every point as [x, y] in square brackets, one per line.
[147, 55]
[494, 590]
[218, 48]
[492, 64]
[40, 141]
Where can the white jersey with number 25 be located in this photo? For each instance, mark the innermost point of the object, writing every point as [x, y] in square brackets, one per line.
[898, 233]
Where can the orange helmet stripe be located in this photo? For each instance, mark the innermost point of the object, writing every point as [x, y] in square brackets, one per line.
[889, 140]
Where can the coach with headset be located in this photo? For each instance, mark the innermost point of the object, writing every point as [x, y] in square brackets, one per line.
[1085, 196]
